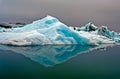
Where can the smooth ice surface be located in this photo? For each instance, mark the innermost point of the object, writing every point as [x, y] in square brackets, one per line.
[50, 30]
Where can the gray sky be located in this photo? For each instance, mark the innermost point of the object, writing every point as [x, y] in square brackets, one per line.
[71, 12]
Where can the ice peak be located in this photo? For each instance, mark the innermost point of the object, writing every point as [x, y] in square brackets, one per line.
[48, 20]
[50, 17]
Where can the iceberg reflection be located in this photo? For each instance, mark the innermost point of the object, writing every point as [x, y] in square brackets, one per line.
[51, 55]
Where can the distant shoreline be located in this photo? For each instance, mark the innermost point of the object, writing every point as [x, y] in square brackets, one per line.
[10, 25]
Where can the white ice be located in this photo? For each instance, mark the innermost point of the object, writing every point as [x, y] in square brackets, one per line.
[50, 30]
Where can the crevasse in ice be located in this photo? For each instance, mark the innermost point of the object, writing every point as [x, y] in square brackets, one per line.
[50, 30]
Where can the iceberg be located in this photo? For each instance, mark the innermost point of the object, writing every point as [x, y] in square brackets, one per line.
[50, 30]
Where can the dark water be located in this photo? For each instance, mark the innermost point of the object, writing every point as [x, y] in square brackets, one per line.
[60, 62]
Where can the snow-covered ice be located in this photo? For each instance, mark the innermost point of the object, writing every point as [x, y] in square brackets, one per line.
[50, 30]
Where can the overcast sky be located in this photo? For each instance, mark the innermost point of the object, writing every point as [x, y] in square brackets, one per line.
[71, 12]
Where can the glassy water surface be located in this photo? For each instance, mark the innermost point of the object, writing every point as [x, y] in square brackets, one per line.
[60, 62]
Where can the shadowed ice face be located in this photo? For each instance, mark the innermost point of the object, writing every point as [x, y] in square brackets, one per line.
[71, 12]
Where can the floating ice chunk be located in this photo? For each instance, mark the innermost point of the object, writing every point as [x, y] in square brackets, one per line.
[50, 30]
[88, 27]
